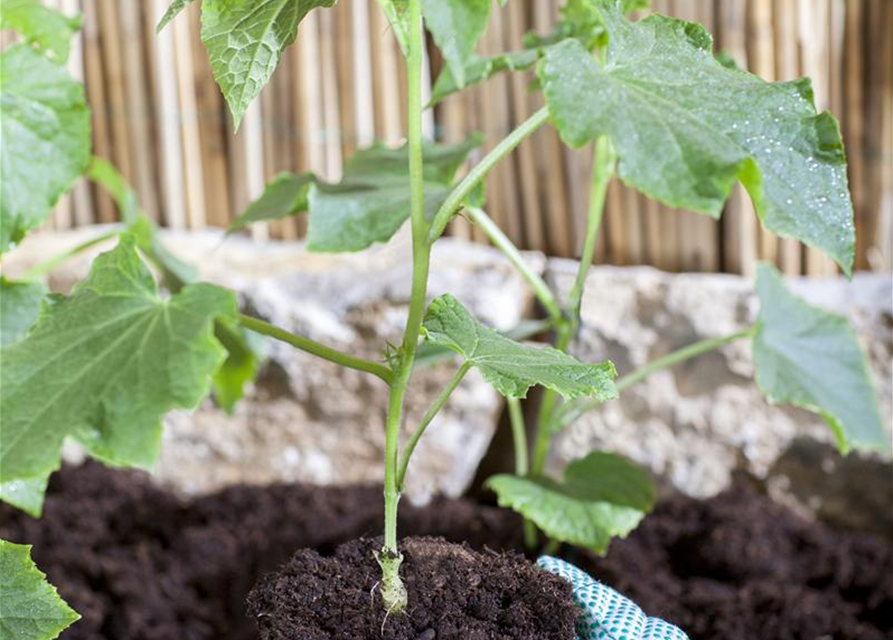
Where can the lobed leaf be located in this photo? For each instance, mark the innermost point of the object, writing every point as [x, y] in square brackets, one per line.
[245, 41]
[45, 128]
[45, 28]
[810, 358]
[510, 366]
[602, 495]
[285, 195]
[372, 200]
[686, 127]
[30, 608]
[105, 364]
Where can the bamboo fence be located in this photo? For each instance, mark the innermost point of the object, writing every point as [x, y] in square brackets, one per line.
[159, 117]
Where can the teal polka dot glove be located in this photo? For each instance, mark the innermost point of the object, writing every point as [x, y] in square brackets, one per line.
[605, 614]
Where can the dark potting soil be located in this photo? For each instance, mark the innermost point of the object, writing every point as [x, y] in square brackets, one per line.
[141, 564]
[455, 593]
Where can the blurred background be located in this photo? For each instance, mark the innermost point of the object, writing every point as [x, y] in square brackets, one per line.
[159, 117]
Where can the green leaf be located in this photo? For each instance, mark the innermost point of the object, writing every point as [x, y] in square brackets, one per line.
[26, 495]
[245, 41]
[372, 200]
[105, 364]
[41, 26]
[686, 128]
[30, 608]
[172, 11]
[19, 307]
[602, 496]
[510, 366]
[811, 358]
[45, 128]
[244, 351]
[395, 11]
[285, 195]
[456, 26]
[478, 69]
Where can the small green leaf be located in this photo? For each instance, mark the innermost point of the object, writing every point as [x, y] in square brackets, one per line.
[285, 195]
[509, 366]
[395, 12]
[602, 496]
[41, 26]
[244, 351]
[26, 495]
[686, 128]
[105, 364]
[811, 358]
[172, 11]
[372, 200]
[30, 608]
[245, 41]
[19, 307]
[478, 69]
[456, 26]
[45, 128]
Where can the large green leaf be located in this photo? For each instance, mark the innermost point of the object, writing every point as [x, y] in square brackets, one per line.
[245, 40]
[30, 608]
[602, 496]
[285, 195]
[686, 128]
[41, 26]
[45, 128]
[811, 358]
[510, 366]
[172, 11]
[372, 200]
[26, 495]
[19, 307]
[456, 25]
[105, 364]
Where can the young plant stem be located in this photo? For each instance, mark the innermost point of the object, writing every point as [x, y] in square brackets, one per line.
[315, 348]
[432, 411]
[392, 590]
[501, 241]
[462, 190]
[519, 438]
[571, 411]
[42, 269]
[603, 164]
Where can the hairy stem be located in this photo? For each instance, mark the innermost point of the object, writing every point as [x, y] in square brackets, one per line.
[432, 411]
[503, 243]
[458, 195]
[393, 593]
[573, 411]
[311, 346]
[603, 165]
[42, 269]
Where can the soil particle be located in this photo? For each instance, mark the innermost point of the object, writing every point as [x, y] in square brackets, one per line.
[140, 564]
[454, 594]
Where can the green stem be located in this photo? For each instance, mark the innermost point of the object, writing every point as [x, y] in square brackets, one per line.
[504, 244]
[458, 195]
[315, 348]
[603, 165]
[44, 268]
[574, 410]
[432, 411]
[392, 591]
[680, 355]
[519, 435]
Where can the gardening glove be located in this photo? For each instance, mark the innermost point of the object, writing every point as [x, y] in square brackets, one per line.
[607, 615]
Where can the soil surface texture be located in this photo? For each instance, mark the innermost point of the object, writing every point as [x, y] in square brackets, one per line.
[454, 594]
[139, 563]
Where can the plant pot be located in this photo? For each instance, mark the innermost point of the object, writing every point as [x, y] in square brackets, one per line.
[455, 593]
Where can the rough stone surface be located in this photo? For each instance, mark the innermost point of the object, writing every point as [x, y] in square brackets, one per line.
[697, 423]
[307, 419]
